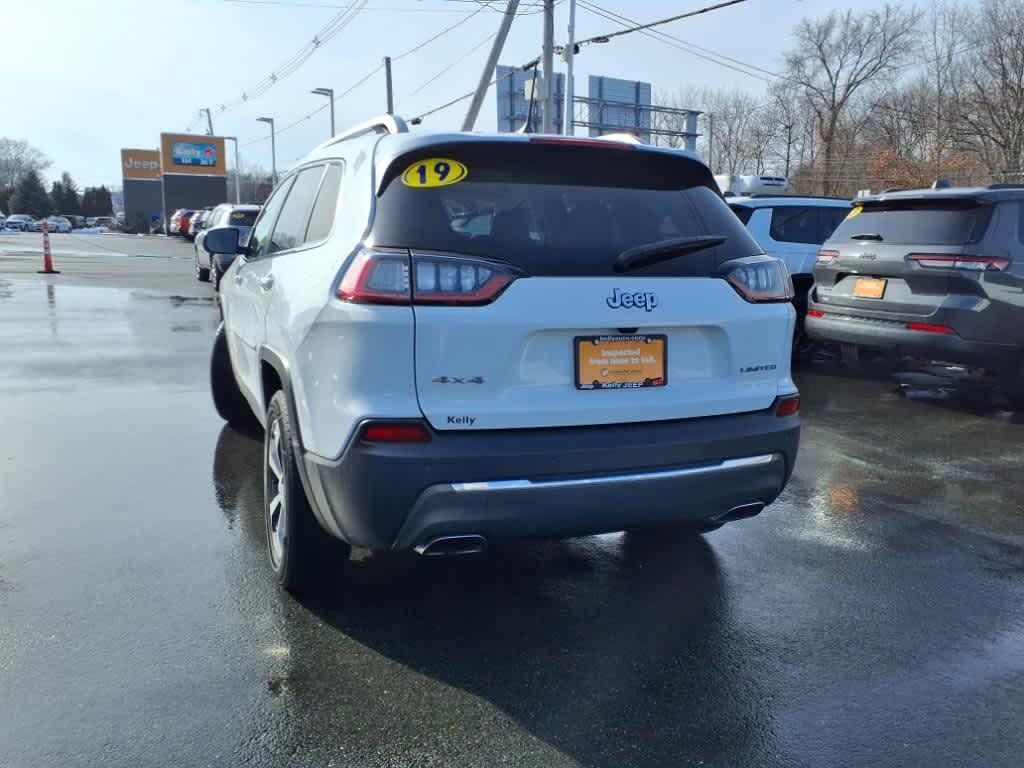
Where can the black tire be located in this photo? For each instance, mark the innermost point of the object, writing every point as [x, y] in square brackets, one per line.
[1012, 384]
[202, 275]
[227, 397]
[303, 556]
[214, 274]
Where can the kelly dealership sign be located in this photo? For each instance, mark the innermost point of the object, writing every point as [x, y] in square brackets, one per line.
[199, 155]
[140, 164]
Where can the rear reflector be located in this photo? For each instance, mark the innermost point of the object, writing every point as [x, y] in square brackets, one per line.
[787, 406]
[947, 261]
[930, 328]
[827, 257]
[815, 313]
[396, 432]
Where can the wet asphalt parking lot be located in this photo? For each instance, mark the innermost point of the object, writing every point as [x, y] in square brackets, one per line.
[871, 617]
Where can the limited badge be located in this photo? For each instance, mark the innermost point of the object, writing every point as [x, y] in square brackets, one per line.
[434, 172]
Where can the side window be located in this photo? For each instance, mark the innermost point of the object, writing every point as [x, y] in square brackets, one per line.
[742, 212]
[290, 231]
[259, 238]
[795, 224]
[322, 220]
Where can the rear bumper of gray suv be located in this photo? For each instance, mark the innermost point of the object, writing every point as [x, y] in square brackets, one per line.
[552, 483]
[883, 330]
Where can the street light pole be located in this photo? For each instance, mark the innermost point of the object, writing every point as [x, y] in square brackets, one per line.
[329, 93]
[273, 148]
[547, 103]
[238, 171]
[570, 49]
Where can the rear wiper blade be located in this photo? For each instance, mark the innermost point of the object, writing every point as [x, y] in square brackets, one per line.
[868, 236]
[663, 250]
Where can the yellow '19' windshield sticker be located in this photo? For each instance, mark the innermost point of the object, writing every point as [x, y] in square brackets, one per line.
[434, 172]
[857, 211]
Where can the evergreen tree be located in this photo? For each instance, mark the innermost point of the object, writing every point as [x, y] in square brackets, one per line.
[57, 197]
[71, 204]
[30, 196]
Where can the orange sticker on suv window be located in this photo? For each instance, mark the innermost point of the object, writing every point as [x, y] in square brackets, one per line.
[434, 172]
[857, 211]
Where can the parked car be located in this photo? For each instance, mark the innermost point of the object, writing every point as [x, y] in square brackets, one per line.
[241, 217]
[936, 274]
[3, 220]
[178, 224]
[21, 222]
[104, 221]
[77, 222]
[198, 222]
[792, 228]
[58, 224]
[612, 353]
[90, 221]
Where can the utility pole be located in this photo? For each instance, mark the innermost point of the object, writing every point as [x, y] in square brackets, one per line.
[209, 121]
[570, 50]
[387, 80]
[547, 104]
[492, 62]
[238, 171]
[329, 93]
[711, 140]
[273, 148]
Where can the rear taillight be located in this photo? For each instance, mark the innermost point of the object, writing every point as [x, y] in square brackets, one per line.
[815, 313]
[394, 277]
[827, 257]
[787, 406]
[950, 261]
[395, 432]
[930, 328]
[759, 278]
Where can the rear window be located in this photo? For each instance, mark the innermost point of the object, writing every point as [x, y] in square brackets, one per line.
[809, 224]
[242, 218]
[918, 222]
[557, 210]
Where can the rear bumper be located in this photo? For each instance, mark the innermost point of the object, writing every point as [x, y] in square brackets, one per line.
[552, 483]
[848, 327]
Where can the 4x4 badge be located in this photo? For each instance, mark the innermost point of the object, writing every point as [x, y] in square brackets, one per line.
[640, 299]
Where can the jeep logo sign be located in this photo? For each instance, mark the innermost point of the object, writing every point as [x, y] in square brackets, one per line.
[647, 300]
[140, 164]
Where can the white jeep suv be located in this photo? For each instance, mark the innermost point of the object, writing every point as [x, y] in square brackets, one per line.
[452, 339]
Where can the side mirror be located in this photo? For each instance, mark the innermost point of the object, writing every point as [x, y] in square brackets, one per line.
[222, 240]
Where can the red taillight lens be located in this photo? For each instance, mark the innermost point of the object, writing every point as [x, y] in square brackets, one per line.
[385, 277]
[815, 313]
[759, 278]
[787, 406]
[930, 328]
[951, 261]
[827, 257]
[396, 432]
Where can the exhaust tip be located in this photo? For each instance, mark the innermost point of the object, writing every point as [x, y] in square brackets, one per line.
[444, 546]
[743, 511]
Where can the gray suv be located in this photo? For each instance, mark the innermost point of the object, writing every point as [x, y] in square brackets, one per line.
[937, 274]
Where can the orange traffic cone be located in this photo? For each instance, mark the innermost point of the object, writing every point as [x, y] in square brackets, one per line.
[47, 258]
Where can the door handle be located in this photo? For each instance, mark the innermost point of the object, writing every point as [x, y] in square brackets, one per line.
[267, 282]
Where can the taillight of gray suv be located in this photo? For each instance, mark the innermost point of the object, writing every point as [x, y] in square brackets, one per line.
[937, 274]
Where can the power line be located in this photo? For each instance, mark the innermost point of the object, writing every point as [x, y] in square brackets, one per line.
[680, 44]
[457, 61]
[669, 20]
[419, 118]
[383, 8]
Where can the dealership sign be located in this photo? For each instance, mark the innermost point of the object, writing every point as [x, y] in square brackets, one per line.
[192, 153]
[186, 154]
[140, 164]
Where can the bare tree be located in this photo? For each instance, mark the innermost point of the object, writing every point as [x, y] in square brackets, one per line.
[18, 157]
[837, 57]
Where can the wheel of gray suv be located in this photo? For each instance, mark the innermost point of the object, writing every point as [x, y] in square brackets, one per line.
[202, 275]
[231, 405]
[214, 274]
[304, 557]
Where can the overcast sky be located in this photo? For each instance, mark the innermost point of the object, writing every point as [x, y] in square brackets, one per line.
[84, 78]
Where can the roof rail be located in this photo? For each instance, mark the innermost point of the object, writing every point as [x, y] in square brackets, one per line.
[381, 124]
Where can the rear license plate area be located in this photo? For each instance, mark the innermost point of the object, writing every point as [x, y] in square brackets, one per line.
[621, 362]
[869, 287]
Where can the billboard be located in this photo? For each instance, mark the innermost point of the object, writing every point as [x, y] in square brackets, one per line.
[514, 90]
[196, 155]
[140, 164]
[616, 106]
